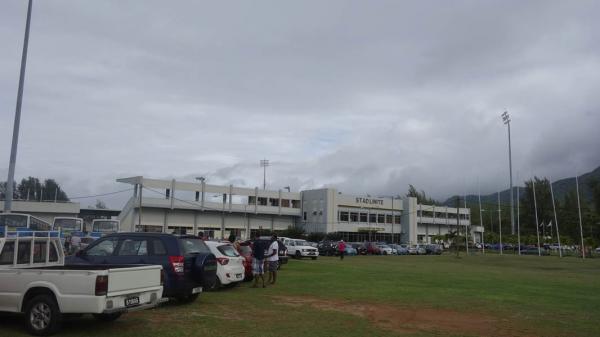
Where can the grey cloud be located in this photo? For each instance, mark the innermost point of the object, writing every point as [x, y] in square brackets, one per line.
[366, 96]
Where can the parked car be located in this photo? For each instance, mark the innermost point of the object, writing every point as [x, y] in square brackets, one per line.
[36, 282]
[533, 250]
[400, 249]
[230, 266]
[385, 249]
[299, 248]
[417, 250]
[433, 249]
[188, 264]
[597, 250]
[245, 250]
[327, 248]
[371, 248]
[350, 251]
[360, 249]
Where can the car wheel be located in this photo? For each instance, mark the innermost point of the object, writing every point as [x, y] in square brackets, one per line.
[188, 298]
[298, 255]
[43, 316]
[107, 317]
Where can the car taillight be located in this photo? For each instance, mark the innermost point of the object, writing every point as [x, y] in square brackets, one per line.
[162, 277]
[101, 285]
[222, 260]
[176, 263]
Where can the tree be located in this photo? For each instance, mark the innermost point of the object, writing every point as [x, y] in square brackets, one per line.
[543, 199]
[32, 189]
[100, 204]
[422, 198]
[293, 232]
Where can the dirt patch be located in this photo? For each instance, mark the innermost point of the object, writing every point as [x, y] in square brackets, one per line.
[412, 320]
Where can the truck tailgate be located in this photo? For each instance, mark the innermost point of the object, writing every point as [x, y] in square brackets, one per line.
[133, 279]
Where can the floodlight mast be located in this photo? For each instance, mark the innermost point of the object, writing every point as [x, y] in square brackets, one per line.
[506, 121]
[264, 163]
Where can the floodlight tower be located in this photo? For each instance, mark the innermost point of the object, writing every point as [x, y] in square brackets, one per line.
[264, 163]
[506, 120]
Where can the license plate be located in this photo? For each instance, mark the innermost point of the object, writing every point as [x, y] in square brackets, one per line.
[197, 290]
[132, 301]
[238, 275]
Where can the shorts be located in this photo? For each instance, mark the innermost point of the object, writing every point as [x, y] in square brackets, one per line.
[257, 266]
[273, 265]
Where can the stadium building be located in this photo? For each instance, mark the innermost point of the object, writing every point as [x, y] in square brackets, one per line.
[221, 210]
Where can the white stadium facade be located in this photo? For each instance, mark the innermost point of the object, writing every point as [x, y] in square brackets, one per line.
[221, 210]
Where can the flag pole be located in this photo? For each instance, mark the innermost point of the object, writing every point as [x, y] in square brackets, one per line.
[555, 220]
[580, 225]
[500, 224]
[518, 221]
[467, 228]
[537, 223]
[481, 218]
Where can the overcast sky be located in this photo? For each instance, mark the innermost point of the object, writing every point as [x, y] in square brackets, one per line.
[366, 96]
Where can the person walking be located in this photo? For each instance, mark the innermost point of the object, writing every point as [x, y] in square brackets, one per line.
[341, 249]
[258, 262]
[273, 258]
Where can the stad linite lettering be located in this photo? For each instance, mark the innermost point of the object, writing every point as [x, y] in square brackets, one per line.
[369, 201]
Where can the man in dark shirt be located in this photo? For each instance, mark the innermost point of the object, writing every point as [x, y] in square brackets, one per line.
[258, 261]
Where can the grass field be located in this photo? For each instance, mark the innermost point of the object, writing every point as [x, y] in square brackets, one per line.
[382, 296]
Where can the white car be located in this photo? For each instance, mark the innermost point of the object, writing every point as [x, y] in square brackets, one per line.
[385, 249]
[416, 250]
[230, 264]
[35, 281]
[300, 248]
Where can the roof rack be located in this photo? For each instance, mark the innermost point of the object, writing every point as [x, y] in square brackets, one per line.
[28, 233]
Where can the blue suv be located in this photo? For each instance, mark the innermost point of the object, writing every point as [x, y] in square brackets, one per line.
[188, 265]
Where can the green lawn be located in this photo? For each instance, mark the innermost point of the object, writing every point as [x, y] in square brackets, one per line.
[383, 296]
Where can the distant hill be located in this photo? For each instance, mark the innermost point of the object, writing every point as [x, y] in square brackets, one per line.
[560, 187]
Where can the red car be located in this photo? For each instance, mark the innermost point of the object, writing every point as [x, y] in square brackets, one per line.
[371, 248]
[245, 250]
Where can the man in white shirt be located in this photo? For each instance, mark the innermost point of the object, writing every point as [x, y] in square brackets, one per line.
[273, 258]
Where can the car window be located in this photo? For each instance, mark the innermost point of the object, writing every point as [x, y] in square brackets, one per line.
[105, 247]
[24, 252]
[159, 247]
[228, 250]
[8, 253]
[191, 246]
[39, 252]
[53, 253]
[133, 247]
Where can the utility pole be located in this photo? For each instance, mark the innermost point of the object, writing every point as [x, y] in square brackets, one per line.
[15, 137]
[506, 120]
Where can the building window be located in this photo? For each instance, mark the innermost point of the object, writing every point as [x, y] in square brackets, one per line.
[380, 218]
[372, 217]
[285, 203]
[344, 216]
[295, 203]
[262, 201]
[363, 217]
[168, 193]
[197, 195]
[388, 218]
[354, 217]
[304, 216]
[274, 202]
[396, 219]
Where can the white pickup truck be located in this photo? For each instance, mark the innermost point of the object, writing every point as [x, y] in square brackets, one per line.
[34, 281]
[299, 248]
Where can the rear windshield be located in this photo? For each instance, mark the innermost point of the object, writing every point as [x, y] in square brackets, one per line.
[245, 250]
[191, 246]
[228, 250]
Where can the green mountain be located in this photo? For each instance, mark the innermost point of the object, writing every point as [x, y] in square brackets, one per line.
[560, 187]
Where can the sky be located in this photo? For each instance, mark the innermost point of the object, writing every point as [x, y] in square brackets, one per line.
[364, 96]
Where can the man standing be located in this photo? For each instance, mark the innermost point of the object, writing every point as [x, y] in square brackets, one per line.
[258, 261]
[273, 258]
[341, 249]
